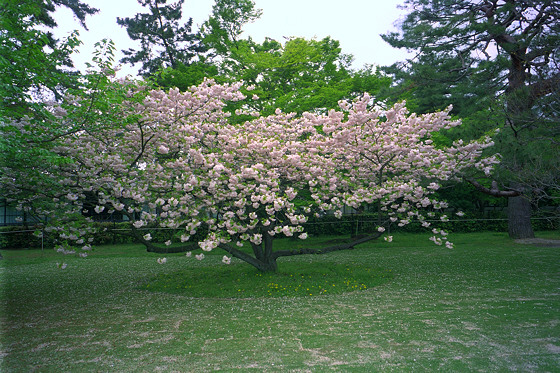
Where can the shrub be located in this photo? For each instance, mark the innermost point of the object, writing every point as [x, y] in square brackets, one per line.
[17, 237]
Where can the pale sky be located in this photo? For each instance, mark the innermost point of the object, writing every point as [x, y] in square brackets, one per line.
[355, 23]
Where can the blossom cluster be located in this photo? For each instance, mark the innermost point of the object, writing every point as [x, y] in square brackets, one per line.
[175, 161]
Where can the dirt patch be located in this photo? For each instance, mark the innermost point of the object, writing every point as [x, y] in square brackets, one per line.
[539, 242]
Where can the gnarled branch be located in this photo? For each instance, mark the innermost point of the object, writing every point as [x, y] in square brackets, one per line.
[325, 250]
[494, 190]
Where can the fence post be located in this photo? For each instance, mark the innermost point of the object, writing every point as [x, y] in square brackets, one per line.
[5, 203]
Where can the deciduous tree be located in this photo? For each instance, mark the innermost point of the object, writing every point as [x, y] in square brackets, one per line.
[173, 160]
[299, 75]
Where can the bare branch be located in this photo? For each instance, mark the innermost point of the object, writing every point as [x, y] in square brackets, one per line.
[241, 255]
[494, 190]
[325, 250]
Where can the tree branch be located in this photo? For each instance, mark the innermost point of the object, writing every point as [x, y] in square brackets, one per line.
[241, 255]
[494, 190]
[545, 86]
[325, 250]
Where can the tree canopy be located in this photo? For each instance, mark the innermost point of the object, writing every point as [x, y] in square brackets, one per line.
[173, 160]
[164, 41]
[34, 65]
[284, 131]
[497, 63]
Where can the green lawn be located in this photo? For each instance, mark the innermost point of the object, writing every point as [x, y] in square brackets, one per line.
[488, 305]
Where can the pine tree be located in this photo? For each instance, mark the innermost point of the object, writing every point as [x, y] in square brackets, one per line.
[33, 62]
[164, 41]
[483, 54]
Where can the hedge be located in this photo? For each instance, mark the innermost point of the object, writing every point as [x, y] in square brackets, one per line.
[108, 233]
[112, 233]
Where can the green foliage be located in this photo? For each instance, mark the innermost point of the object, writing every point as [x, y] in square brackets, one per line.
[186, 76]
[222, 30]
[33, 81]
[496, 63]
[164, 41]
[32, 62]
[45, 8]
[27, 157]
[347, 225]
[296, 76]
[19, 237]
[457, 64]
[476, 219]
[105, 233]
[300, 75]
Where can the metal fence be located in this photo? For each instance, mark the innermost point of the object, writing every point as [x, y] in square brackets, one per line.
[9, 215]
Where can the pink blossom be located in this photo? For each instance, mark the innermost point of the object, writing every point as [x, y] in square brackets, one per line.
[72, 196]
[288, 231]
[436, 240]
[256, 239]
[225, 177]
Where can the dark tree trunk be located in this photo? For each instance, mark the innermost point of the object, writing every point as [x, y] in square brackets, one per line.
[519, 218]
[264, 258]
[267, 264]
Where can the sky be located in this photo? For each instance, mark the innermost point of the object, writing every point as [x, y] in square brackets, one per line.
[357, 24]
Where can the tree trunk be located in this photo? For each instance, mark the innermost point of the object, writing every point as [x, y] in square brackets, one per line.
[519, 218]
[267, 264]
[264, 258]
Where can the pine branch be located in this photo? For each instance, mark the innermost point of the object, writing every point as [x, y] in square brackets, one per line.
[494, 190]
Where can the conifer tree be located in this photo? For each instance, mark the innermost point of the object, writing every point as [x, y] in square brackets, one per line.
[496, 59]
[164, 40]
[33, 62]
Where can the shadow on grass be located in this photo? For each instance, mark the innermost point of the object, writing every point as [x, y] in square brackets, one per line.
[293, 280]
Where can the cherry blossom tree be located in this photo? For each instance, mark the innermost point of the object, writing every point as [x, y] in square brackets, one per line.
[275, 171]
[175, 160]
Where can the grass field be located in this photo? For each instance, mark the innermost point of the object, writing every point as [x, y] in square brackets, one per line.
[490, 304]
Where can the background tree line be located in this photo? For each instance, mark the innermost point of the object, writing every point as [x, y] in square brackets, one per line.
[495, 61]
